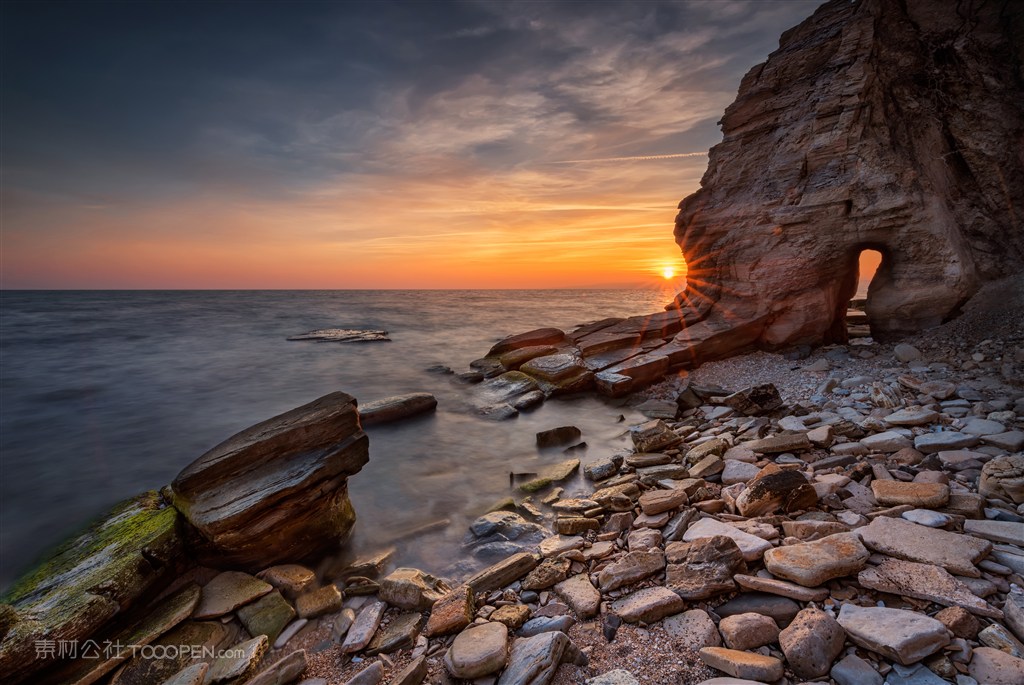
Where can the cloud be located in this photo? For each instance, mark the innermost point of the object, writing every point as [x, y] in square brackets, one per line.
[370, 133]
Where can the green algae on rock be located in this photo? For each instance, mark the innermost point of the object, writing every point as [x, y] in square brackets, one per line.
[91, 578]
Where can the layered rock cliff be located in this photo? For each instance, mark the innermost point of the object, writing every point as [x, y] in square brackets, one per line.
[895, 125]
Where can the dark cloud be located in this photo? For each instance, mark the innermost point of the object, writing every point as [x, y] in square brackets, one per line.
[130, 104]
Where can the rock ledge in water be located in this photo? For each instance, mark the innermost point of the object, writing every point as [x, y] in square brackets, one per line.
[342, 335]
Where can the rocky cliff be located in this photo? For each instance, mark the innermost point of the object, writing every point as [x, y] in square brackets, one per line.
[895, 125]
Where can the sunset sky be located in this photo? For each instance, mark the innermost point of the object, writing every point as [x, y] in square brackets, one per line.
[361, 145]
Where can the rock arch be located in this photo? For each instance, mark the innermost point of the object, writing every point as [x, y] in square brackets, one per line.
[896, 126]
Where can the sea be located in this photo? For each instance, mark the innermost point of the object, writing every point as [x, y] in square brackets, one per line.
[106, 394]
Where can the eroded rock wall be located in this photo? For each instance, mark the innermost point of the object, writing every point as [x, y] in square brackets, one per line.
[896, 125]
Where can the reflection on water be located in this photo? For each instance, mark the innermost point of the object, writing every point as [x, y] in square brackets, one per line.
[106, 394]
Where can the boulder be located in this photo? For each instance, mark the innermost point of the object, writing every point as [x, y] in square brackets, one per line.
[97, 575]
[554, 437]
[812, 642]
[776, 489]
[276, 491]
[1003, 478]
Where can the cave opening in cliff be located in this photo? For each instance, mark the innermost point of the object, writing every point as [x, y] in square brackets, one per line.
[858, 324]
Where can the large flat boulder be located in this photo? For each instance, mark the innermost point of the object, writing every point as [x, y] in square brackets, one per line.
[129, 553]
[276, 491]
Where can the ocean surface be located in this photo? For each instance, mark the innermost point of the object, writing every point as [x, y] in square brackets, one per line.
[105, 394]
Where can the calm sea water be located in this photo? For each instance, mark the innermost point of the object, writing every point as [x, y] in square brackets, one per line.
[106, 394]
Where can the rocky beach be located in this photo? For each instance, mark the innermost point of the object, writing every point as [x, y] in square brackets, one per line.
[815, 495]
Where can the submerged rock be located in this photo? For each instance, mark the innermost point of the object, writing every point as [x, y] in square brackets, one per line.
[396, 408]
[343, 335]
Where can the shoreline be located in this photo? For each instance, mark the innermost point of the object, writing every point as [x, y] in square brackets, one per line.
[705, 445]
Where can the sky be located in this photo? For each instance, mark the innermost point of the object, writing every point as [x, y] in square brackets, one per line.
[361, 145]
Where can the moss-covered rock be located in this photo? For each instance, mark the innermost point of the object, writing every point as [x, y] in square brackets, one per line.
[90, 579]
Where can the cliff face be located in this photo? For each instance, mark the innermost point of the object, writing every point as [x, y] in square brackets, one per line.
[895, 125]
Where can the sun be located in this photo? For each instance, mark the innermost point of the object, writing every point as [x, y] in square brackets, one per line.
[668, 273]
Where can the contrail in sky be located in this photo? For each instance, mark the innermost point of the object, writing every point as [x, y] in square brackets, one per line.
[637, 158]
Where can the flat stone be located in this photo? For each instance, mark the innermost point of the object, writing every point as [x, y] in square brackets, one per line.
[956, 553]
[413, 674]
[781, 609]
[704, 567]
[371, 675]
[812, 642]
[979, 427]
[945, 440]
[648, 605]
[534, 660]
[540, 336]
[267, 615]
[742, 664]
[503, 573]
[397, 408]
[581, 595]
[547, 573]
[812, 563]
[707, 467]
[782, 588]
[693, 628]
[512, 615]
[282, 671]
[659, 501]
[911, 416]
[924, 581]
[998, 637]
[478, 651]
[714, 447]
[751, 546]
[895, 492]
[1010, 532]
[511, 361]
[547, 624]
[748, 631]
[616, 677]
[559, 544]
[451, 613]
[291, 579]
[632, 567]
[175, 649]
[1011, 441]
[365, 625]
[780, 443]
[400, 633]
[1013, 611]
[853, 670]
[190, 675]
[735, 471]
[926, 517]
[243, 660]
[228, 591]
[992, 667]
[905, 636]
[888, 442]
[326, 600]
